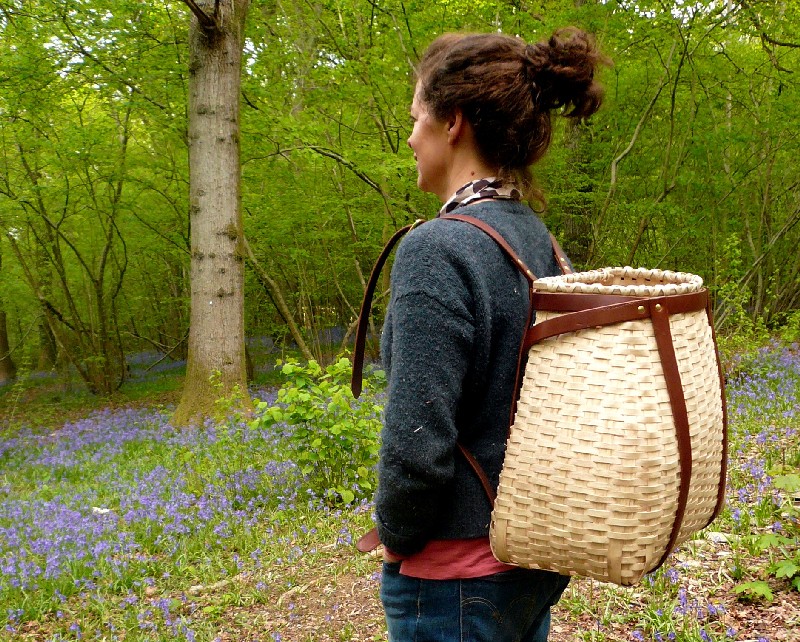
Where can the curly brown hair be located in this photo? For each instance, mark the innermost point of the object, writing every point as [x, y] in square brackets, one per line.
[507, 89]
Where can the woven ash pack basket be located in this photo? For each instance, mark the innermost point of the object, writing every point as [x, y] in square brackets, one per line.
[617, 442]
[617, 449]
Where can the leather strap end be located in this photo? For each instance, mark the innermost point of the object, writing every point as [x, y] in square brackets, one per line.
[368, 542]
[366, 306]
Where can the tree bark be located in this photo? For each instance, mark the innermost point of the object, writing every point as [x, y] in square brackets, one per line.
[48, 348]
[216, 365]
[8, 370]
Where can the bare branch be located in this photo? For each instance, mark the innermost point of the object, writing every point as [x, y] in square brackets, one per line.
[207, 23]
[767, 40]
[615, 163]
[274, 292]
[328, 153]
[780, 43]
[83, 51]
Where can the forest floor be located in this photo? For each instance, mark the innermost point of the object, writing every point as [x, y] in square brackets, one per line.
[115, 526]
[334, 606]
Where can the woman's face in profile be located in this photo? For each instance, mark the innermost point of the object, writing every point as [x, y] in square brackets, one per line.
[429, 142]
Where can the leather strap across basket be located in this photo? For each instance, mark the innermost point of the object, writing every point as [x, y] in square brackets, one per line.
[617, 443]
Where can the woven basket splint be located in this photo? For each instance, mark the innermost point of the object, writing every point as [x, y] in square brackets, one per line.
[617, 450]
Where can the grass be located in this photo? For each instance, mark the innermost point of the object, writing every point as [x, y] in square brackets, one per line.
[114, 526]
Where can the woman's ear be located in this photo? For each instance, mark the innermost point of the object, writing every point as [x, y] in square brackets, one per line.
[455, 126]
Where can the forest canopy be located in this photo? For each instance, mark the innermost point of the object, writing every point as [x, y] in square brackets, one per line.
[690, 165]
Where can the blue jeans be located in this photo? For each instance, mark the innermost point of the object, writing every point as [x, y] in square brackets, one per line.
[508, 607]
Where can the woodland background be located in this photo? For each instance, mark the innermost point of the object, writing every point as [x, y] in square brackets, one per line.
[691, 164]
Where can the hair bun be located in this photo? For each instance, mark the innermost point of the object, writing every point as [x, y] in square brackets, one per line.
[563, 68]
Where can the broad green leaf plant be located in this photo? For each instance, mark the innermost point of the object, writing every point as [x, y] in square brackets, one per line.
[332, 437]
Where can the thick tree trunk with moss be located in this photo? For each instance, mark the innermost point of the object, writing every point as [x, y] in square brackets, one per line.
[216, 364]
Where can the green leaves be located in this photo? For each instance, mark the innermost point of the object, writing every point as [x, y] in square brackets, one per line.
[753, 591]
[784, 565]
[333, 438]
[785, 569]
[789, 483]
[326, 174]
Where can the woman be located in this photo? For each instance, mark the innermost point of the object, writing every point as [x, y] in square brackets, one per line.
[481, 113]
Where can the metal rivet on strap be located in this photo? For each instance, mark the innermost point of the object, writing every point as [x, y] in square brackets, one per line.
[658, 307]
[641, 309]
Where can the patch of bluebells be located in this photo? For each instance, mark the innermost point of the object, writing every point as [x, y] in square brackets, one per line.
[767, 385]
[670, 575]
[41, 541]
[763, 401]
[144, 365]
[61, 541]
[699, 613]
[98, 438]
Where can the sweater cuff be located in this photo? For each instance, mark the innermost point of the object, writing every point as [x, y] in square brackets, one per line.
[400, 545]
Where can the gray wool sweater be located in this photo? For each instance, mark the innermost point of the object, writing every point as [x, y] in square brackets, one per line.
[449, 347]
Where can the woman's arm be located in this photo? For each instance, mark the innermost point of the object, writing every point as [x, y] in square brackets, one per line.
[429, 344]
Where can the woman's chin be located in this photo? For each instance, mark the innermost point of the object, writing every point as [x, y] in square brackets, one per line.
[424, 186]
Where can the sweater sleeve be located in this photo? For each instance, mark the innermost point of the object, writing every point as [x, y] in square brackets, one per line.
[429, 337]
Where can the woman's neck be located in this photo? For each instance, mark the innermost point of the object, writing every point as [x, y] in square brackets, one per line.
[460, 176]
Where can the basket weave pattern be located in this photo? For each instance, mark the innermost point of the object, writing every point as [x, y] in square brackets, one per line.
[592, 470]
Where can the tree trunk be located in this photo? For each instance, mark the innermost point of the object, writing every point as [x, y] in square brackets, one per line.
[8, 371]
[48, 348]
[216, 362]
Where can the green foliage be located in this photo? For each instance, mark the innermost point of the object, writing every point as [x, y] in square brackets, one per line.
[783, 550]
[789, 483]
[230, 407]
[790, 330]
[97, 197]
[734, 299]
[333, 438]
[754, 591]
[741, 335]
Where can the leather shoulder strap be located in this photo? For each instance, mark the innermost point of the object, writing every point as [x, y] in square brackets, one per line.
[366, 306]
[561, 257]
[369, 292]
[558, 253]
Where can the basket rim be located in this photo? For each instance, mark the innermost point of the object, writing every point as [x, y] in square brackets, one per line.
[644, 282]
